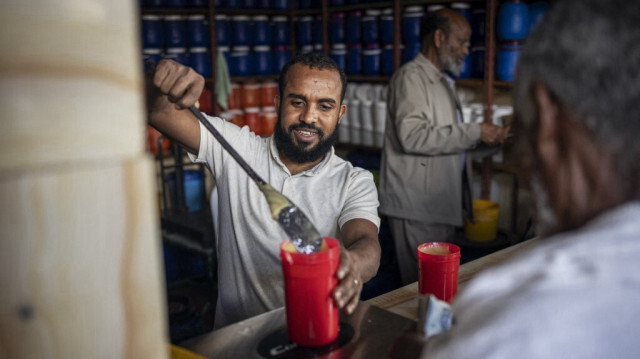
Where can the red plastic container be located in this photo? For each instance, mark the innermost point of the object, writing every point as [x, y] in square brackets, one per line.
[250, 95]
[268, 91]
[438, 265]
[269, 117]
[252, 119]
[309, 280]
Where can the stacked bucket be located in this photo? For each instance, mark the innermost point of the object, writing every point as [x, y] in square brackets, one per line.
[252, 104]
[364, 122]
[515, 20]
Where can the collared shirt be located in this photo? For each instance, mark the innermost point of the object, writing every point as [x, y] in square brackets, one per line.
[420, 175]
[248, 239]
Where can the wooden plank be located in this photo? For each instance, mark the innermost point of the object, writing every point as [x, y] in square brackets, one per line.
[80, 269]
[71, 84]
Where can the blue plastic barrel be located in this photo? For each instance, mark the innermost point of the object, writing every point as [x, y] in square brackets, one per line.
[175, 3]
[537, 10]
[199, 4]
[411, 50]
[337, 28]
[249, 4]
[152, 34]
[370, 27]
[336, 2]
[477, 62]
[241, 59]
[175, 31]
[478, 25]
[261, 30]
[316, 30]
[513, 21]
[152, 54]
[386, 26]
[178, 54]
[281, 4]
[463, 8]
[339, 55]
[263, 60]
[387, 60]
[304, 27]
[152, 3]
[198, 31]
[263, 4]
[222, 30]
[241, 30]
[194, 194]
[371, 58]
[354, 59]
[305, 4]
[281, 55]
[353, 27]
[507, 59]
[233, 4]
[317, 48]
[281, 31]
[200, 60]
[411, 19]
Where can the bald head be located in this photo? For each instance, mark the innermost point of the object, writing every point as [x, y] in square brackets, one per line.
[445, 20]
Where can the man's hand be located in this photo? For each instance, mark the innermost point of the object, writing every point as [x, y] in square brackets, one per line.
[347, 293]
[359, 261]
[181, 84]
[492, 134]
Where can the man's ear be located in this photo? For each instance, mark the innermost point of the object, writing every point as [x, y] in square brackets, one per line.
[343, 110]
[439, 38]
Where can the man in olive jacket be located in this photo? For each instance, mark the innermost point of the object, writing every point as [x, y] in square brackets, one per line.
[423, 161]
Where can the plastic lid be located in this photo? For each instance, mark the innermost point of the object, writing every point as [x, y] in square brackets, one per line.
[196, 17]
[198, 49]
[339, 46]
[279, 18]
[151, 17]
[387, 11]
[173, 17]
[262, 48]
[269, 109]
[281, 48]
[236, 111]
[151, 51]
[372, 52]
[415, 8]
[260, 18]
[460, 5]
[432, 8]
[317, 46]
[223, 48]
[306, 18]
[477, 48]
[372, 12]
[269, 84]
[387, 47]
[240, 18]
[251, 86]
[177, 50]
[222, 17]
[252, 110]
[240, 49]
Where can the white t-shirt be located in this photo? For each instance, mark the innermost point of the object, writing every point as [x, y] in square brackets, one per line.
[575, 295]
[248, 238]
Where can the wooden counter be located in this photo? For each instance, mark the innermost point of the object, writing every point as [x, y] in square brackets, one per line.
[403, 301]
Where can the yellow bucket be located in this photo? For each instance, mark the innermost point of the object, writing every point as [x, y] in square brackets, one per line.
[485, 228]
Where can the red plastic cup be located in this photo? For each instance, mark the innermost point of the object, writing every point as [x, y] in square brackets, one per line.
[309, 280]
[438, 264]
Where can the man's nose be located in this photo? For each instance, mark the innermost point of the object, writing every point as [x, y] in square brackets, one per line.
[310, 115]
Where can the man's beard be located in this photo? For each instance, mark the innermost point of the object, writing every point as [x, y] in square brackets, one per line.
[300, 153]
[449, 63]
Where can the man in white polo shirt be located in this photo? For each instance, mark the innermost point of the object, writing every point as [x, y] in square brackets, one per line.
[297, 160]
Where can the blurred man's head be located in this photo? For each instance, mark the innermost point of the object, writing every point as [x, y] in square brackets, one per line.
[577, 96]
[446, 35]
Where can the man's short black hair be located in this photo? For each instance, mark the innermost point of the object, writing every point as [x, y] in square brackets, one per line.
[436, 20]
[314, 61]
